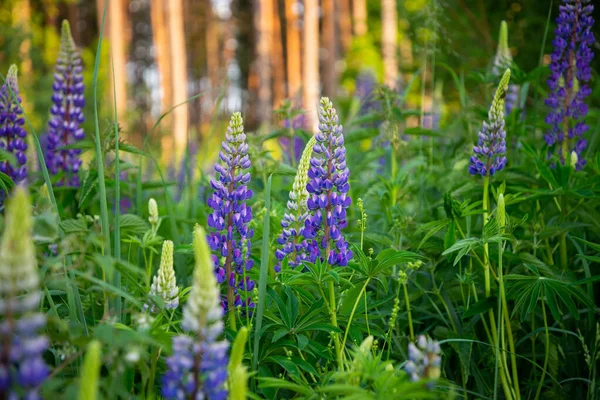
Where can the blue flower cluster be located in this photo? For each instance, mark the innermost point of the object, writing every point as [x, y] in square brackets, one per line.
[424, 359]
[489, 153]
[198, 367]
[293, 221]
[229, 236]
[328, 192]
[568, 82]
[64, 127]
[503, 60]
[22, 368]
[12, 133]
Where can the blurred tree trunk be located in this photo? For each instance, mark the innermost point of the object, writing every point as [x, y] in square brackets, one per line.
[263, 23]
[389, 37]
[213, 58]
[345, 24]
[277, 57]
[162, 51]
[359, 11]
[293, 52]
[118, 22]
[21, 16]
[311, 61]
[178, 76]
[329, 42]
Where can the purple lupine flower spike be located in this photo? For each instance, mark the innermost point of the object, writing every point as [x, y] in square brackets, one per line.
[366, 84]
[12, 133]
[490, 152]
[328, 188]
[568, 82]
[299, 121]
[503, 60]
[293, 221]
[66, 113]
[22, 368]
[229, 236]
[198, 367]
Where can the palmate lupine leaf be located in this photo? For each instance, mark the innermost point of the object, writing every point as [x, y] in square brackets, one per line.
[528, 290]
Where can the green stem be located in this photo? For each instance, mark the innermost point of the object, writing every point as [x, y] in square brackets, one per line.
[511, 342]
[564, 261]
[408, 310]
[486, 270]
[547, 353]
[362, 291]
[332, 305]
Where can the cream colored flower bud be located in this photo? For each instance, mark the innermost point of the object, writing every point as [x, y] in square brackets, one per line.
[152, 212]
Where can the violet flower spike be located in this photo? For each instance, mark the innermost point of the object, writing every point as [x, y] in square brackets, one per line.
[66, 113]
[229, 235]
[570, 73]
[293, 221]
[424, 359]
[328, 188]
[22, 367]
[490, 152]
[503, 60]
[12, 133]
[198, 367]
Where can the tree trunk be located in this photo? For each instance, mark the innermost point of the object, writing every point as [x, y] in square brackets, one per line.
[311, 61]
[329, 42]
[359, 9]
[293, 52]
[178, 76]
[117, 17]
[345, 24]
[162, 52]
[22, 20]
[278, 59]
[389, 34]
[263, 22]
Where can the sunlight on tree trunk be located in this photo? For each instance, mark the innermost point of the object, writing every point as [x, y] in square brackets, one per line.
[345, 24]
[162, 52]
[329, 43]
[179, 76]
[294, 56]
[263, 22]
[116, 14]
[311, 61]
[22, 19]
[278, 59]
[389, 37]
[359, 11]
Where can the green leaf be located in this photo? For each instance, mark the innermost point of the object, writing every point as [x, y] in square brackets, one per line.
[481, 306]
[134, 224]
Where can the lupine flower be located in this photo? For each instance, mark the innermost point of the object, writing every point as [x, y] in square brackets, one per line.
[502, 61]
[366, 84]
[64, 127]
[424, 360]
[328, 192]
[489, 153]
[164, 284]
[22, 368]
[153, 217]
[568, 82]
[12, 133]
[293, 221]
[297, 122]
[431, 120]
[229, 236]
[198, 367]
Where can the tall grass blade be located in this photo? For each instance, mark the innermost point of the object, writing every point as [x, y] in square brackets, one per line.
[264, 273]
